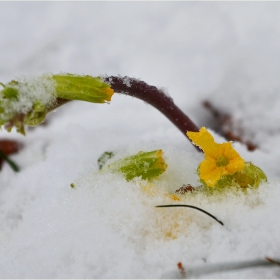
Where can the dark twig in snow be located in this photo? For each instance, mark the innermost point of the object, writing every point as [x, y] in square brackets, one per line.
[182, 269]
[227, 126]
[272, 261]
[194, 207]
[196, 271]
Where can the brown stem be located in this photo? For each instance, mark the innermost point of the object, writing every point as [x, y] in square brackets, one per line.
[154, 97]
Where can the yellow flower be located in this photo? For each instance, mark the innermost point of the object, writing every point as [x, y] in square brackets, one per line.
[220, 159]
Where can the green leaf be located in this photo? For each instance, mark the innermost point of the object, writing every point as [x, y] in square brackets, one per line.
[10, 162]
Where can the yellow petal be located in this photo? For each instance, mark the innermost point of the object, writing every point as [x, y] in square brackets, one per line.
[227, 150]
[209, 172]
[207, 165]
[203, 139]
[236, 162]
[235, 165]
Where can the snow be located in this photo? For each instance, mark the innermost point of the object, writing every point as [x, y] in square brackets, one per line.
[30, 90]
[126, 81]
[106, 227]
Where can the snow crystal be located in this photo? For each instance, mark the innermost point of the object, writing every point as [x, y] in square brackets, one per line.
[126, 81]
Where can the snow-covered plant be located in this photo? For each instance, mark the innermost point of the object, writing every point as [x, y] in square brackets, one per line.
[27, 102]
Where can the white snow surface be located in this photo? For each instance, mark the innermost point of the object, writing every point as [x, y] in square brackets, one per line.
[106, 227]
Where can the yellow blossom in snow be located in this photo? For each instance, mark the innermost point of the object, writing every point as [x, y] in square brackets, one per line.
[220, 159]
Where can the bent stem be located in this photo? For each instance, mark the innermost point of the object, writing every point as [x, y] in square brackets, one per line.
[42, 92]
[151, 95]
[154, 97]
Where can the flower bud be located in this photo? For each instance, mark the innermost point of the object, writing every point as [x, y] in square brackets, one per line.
[86, 88]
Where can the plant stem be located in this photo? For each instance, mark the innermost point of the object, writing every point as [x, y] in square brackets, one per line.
[151, 95]
[154, 97]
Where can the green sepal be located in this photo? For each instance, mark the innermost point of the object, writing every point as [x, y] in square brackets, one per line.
[86, 88]
[250, 176]
[147, 165]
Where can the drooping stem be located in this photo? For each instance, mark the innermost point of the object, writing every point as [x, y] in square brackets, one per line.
[154, 97]
[151, 95]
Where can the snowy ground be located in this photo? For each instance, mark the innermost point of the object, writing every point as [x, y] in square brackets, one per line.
[227, 53]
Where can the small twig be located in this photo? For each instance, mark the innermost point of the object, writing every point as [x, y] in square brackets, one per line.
[226, 126]
[194, 207]
[182, 269]
[199, 270]
[272, 261]
[10, 162]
